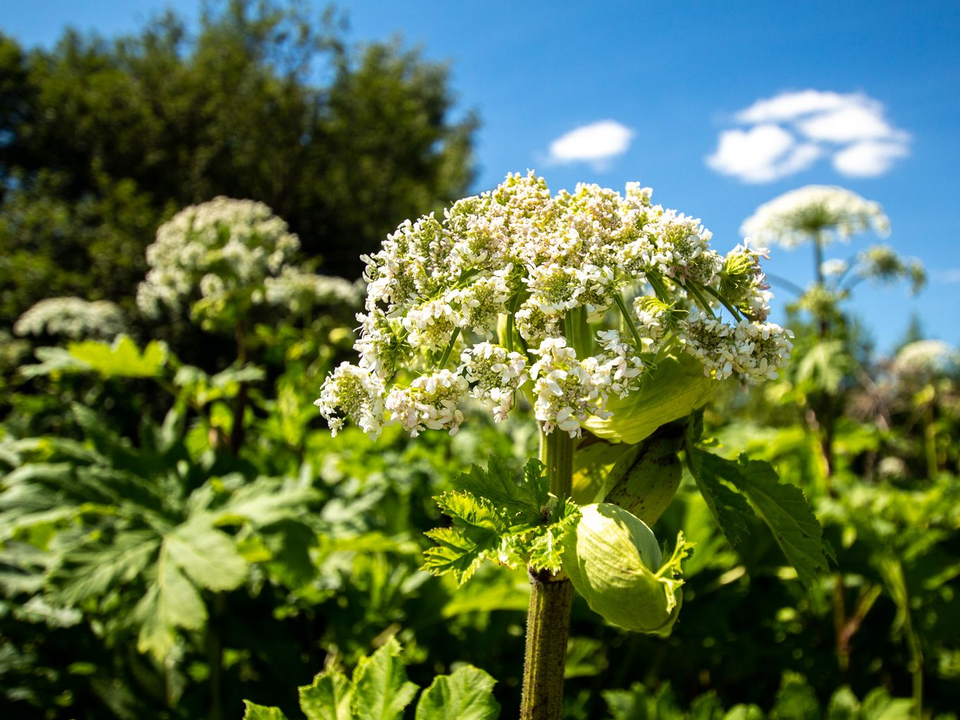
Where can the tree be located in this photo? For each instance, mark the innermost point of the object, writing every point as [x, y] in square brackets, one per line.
[100, 141]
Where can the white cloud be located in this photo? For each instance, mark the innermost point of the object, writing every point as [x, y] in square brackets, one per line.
[791, 105]
[761, 154]
[789, 132]
[868, 158]
[594, 143]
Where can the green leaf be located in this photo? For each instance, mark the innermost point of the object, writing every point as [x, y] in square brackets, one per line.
[260, 712]
[95, 570]
[466, 694]
[728, 507]
[327, 698]
[381, 689]
[456, 553]
[53, 360]
[122, 358]
[208, 556]
[472, 512]
[498, 485]
[171, 602]
[781, 506]
[544, 548]
[784, 508]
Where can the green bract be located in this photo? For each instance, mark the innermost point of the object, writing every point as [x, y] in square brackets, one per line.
[615, 563]
[672, 390]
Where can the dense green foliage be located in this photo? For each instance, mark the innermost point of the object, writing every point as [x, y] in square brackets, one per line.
[180, 533]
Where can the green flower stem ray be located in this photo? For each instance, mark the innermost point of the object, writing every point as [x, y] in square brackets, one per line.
[723, 301]
[449, 349]
[701, 300]
[622, 306]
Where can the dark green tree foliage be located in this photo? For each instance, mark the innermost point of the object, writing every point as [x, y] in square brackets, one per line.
[102, 140]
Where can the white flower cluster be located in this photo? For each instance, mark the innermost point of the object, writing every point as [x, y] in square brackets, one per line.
[300, 291]
[73, 318]
[925, 358]
[566, 298]
[225, 248]
[748, 349]
[799, 215]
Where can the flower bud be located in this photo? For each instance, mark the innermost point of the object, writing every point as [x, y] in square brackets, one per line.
[614, 562]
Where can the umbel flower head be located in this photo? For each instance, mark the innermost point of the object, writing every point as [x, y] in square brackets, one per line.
[570, 298]
[213, 259]
[72, 317]
[816, 211]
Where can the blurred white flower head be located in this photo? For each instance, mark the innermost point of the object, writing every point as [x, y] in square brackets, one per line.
[73, 318]
[827, 212]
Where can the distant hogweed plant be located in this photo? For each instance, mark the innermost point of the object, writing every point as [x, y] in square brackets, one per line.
[615, 319]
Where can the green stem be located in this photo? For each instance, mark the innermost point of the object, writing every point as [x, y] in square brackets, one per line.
[730, 308]
[449, 348]
[656, 282]
[628, 320]
[930, 442]
[698, 296]
[551, 597]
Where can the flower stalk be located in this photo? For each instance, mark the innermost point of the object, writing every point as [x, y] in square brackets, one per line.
[551, 597]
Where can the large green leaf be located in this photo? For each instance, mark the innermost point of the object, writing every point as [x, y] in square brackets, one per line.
[95, 570]
[466, 694]
[728, 507]
[171, 602]
[121, 359]
[380, 687]
[208, 556]
[781, 506]
[328, 697]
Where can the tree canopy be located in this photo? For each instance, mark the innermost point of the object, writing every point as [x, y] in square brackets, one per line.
[102, 140]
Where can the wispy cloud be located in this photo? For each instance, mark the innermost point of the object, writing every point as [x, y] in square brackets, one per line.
[596, 143]
[950, 275]
[789, 132]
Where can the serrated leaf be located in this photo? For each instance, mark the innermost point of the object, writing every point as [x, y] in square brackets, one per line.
[545, 549]
[96, 570]
[498, 485]
[53, 360]
[457, 554]
[208, 556]
[328, 697]
[472, 512]
[171, 602]
[728, 507]
[781, 506]
[381, 689]
[121, 359]
[466, 694]
[261, 712]
[784, 508]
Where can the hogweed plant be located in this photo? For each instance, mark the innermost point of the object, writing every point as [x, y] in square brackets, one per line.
[615, 320]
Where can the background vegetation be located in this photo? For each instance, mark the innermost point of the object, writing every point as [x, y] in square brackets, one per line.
[179, 532]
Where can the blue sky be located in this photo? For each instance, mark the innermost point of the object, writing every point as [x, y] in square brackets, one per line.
[718, 106]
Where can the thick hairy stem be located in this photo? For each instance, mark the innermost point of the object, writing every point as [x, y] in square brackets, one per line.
[548, 620]
[548, 623]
